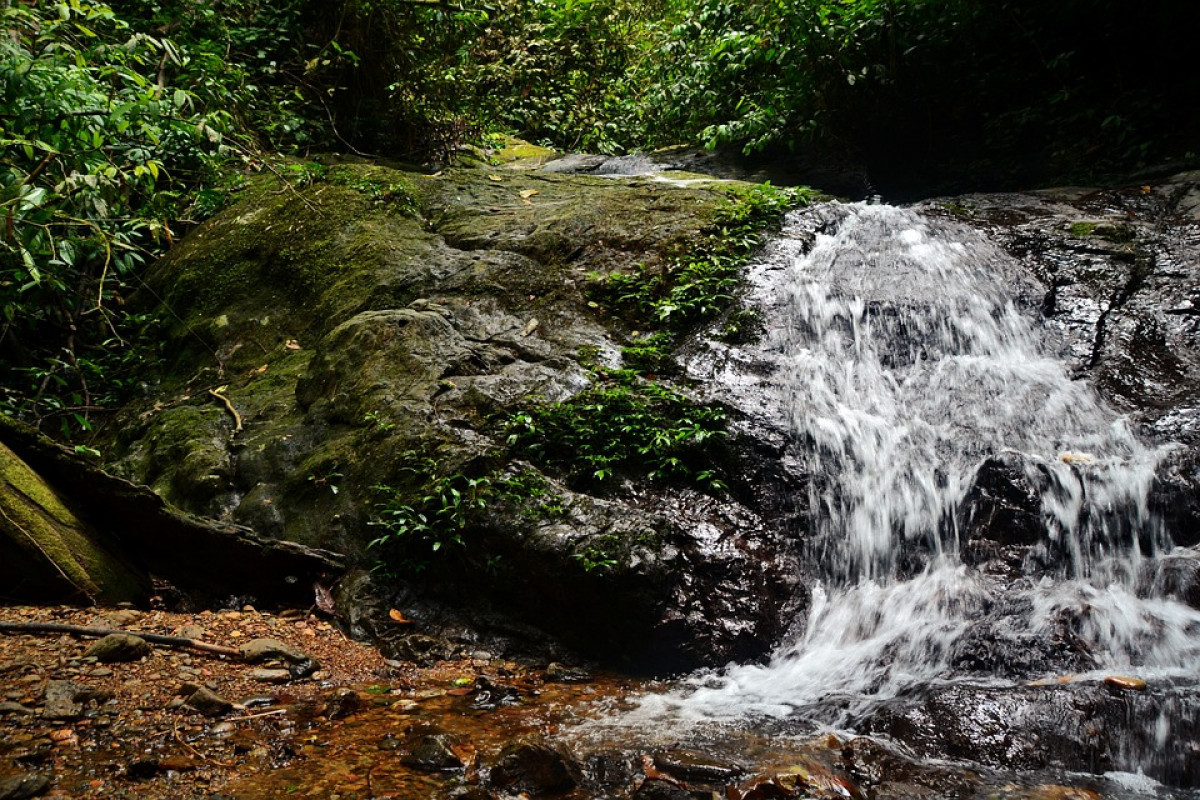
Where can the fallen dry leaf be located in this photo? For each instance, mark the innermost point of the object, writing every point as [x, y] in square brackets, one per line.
[291, 344]
[529, 192]
[398, 617]
[495, 178]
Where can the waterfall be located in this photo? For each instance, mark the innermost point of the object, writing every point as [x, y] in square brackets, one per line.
[901, 352]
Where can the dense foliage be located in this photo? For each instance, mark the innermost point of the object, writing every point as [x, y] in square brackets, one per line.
[117, 120]
[100, 154]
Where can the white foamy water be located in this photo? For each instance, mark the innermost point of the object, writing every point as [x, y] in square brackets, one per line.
[898, 356]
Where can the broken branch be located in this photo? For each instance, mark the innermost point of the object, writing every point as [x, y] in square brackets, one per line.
[179, 642]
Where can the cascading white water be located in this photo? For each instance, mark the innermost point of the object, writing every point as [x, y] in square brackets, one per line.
[898, 357]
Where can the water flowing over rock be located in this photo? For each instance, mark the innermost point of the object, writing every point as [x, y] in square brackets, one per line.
[981, 515]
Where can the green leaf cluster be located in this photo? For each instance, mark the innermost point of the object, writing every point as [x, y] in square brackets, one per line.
[673, 297]
[622, 427]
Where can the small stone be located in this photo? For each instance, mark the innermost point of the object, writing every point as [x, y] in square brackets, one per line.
[22, 787]
[65, 699]
[9, 707]
[265, 675]
[118, 647]
[257, 650]
[207, 702]
[560, 673]
[101, 672]
[657, 789]
[120, 619]
[191, 632]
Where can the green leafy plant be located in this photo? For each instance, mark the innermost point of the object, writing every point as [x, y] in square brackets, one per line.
[438, 516]
[622, 426]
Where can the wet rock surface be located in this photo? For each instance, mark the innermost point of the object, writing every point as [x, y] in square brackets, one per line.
[1092, 727]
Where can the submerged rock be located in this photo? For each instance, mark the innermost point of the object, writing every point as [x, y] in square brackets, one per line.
[433, 752]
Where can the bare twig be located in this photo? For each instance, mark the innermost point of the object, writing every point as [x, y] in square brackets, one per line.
[237, 418]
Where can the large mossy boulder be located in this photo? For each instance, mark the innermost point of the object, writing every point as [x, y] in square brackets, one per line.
[359, 337]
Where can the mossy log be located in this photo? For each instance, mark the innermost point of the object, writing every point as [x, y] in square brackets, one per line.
[51, 554]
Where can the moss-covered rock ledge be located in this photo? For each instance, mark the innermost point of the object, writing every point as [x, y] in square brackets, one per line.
[368, 355]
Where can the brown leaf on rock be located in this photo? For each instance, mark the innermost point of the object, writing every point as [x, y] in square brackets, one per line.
[397, 616]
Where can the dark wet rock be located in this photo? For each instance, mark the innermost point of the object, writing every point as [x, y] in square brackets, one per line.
[432, 751]
[116, 647]
[658, 789]
[1176, 574]
[203, 699]
[488, 695]
[1004, 505]
[343, 703]
[66, 699]
[694, 767]
[537, 768]
[22, 787]
[144, 769]
[468, 793]
[873, 763]
[611, 771]
[1175, 496]
[1083, 727]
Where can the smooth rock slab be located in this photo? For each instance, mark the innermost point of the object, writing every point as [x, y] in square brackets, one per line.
[204, 700]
